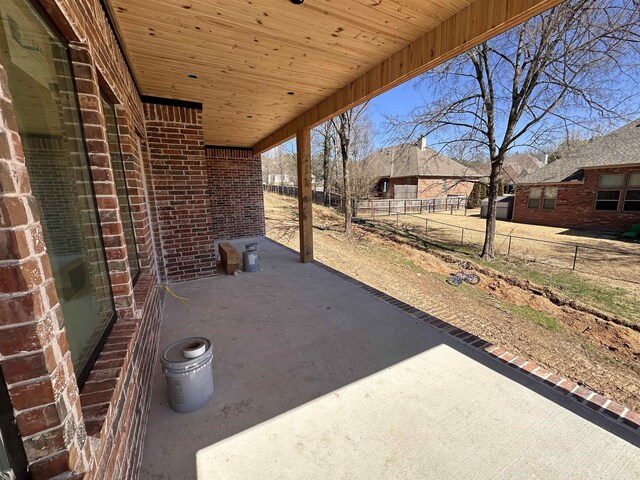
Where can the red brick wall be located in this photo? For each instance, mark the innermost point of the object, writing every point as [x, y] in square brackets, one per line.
[34, 354]
[235, 185]
[52, 415]
[575, 206]
[432, 187]
[97, 143]
[178, 171]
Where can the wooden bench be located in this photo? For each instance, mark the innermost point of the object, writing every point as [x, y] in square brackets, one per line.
[229, 258]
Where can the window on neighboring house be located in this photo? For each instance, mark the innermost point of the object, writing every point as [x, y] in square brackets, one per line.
[385, 185]
[609, 189]
[444, 184]
[533, 200]
[632, 197]
[550, 197]
[48, 121]
[119, 176]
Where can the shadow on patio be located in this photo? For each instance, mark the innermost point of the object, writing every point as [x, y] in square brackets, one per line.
[316, 378]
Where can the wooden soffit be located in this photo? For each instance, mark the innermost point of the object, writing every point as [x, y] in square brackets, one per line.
[331, 54]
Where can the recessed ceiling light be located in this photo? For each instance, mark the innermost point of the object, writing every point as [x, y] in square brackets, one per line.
[289, 93]
[191, 75]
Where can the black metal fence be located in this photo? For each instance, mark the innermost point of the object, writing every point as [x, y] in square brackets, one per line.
[329, 199]
[598, 261]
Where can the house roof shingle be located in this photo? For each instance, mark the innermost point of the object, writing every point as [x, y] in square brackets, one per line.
[410, 160]
[514, 166]
[620, 147]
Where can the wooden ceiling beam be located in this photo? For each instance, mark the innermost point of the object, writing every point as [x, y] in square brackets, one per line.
[475, 24]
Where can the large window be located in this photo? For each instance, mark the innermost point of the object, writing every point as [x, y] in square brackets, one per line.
[121, 185]
[609, 189]
[533, 201]
[47, 114]
[632, 196]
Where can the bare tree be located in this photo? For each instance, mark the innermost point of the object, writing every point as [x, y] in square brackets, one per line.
[346, 130]
[573, 67]
[324, 141]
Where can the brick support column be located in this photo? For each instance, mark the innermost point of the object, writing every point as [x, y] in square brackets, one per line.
[181, 198]
[34, 355]
[103, 181]
[235, 186]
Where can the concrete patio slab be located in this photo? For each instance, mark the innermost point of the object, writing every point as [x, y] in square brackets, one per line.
[317, 379]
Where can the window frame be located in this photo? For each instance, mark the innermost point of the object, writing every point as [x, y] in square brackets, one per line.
[619, 189]
[629, 188]
[105, 97]
[544, 198]
[529, 198]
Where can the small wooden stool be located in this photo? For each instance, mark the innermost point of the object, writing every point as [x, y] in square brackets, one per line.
[229, 258]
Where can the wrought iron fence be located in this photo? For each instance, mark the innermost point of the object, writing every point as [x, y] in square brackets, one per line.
[603, 262]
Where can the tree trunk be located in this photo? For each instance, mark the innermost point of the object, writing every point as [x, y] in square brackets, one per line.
[325, 169]
[490, 233]
[346, 186]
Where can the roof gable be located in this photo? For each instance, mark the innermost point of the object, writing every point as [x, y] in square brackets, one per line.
[409, 160]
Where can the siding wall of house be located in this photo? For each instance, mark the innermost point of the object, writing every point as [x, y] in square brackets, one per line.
[575, 206]
[97, 431]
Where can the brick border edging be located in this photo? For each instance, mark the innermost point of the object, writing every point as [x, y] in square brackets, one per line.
[576, 392]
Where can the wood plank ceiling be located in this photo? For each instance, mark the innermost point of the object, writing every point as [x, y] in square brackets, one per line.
[249, 54]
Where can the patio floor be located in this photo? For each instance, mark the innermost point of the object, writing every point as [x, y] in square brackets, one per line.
[315, 378]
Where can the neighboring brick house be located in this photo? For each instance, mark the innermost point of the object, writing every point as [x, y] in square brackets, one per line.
[595, 187]
[416, 171]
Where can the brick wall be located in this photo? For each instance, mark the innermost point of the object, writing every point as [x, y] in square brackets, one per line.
[575, 206]
[180, 204]
[106, 196]
[178, 171]
[55, 419]
[35, 357]
[432, 187]
[235, 186]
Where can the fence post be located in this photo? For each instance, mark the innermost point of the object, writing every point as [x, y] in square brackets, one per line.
[389, 207]
[509, 249]
[451, 209]
[420, 206]
[575, 258]
[405, 207]
[462, 238]
[426, 227]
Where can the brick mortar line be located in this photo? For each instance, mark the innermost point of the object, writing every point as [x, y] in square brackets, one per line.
[627, 418]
